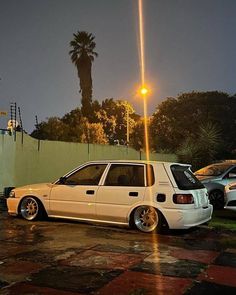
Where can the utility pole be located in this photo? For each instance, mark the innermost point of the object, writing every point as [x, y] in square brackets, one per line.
[127, 125]
[37, 128]
[13, 118]
[21, 126]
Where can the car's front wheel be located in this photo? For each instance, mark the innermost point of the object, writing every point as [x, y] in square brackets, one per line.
[216, 198]
[146, 219]
[31, 208]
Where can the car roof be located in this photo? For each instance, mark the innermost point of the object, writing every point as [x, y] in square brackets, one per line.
[136, 162]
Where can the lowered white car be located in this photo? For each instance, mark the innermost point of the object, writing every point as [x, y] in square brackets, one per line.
[150, 195]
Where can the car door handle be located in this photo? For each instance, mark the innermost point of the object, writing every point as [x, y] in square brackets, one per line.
[133, 194]
[90, 192]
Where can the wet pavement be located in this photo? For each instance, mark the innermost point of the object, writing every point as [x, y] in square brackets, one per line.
[62, 257]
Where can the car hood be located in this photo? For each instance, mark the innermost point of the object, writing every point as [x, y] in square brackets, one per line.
[204, 178]
[35, 187]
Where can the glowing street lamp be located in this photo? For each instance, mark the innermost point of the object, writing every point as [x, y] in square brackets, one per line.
[143, 90]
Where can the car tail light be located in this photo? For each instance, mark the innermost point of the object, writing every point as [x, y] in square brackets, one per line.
[183, 199]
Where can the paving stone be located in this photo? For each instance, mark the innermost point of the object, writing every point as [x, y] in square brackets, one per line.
[28, 289]
[227, 259]
[210, 245]
[230, 250]
[204, 287]
[3, 284]
[74, 279]
[57, 257]
[46, 257]
[13, 271]
[228, 241]
[203, 256]
[180, 268]
[220, 275]
[136, 248]
[104, 260]
[10, 250]
[136, 283]
[162, 256]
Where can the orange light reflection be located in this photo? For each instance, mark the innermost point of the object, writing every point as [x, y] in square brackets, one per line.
[144, 91]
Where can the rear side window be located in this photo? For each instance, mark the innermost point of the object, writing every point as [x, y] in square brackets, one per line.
[184, 178]
[125, 175]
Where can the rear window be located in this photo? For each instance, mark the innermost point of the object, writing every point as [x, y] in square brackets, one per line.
[184, 178]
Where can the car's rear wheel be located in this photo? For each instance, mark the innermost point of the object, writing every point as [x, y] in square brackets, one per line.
[216, 198]
[146, 219]
[31, 208]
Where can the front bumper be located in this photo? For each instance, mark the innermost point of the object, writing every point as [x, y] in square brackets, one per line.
[230, 198]
[186, 218]
[12, 206]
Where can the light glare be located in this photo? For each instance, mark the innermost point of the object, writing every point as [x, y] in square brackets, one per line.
[144, 91]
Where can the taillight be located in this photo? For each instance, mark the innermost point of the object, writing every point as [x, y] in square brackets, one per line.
[183, 199]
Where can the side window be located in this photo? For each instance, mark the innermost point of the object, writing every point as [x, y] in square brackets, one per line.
[89, 175]
[125, 175]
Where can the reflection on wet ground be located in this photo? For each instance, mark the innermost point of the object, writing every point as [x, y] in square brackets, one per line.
[64, 257]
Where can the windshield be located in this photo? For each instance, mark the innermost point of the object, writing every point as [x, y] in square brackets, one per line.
[184, 178]
[213, 170]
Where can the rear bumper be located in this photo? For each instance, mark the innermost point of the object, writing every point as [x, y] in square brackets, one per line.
[183, 219]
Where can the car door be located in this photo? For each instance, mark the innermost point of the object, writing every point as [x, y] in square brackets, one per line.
[123, 186]
[74, 195]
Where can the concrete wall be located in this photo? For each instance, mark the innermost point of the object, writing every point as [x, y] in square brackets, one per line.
[7, 161]
[31, 161]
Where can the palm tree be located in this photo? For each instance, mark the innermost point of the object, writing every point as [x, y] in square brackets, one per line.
[82, 55]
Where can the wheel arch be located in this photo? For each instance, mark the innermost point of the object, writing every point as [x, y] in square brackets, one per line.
[152, 204]
[37, 199]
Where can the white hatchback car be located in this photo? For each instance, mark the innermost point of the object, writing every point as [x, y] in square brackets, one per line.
[150, 195]
[230, 196]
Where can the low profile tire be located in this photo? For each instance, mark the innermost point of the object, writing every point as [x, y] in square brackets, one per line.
[31, 208]
[216, 198]
[147, 219]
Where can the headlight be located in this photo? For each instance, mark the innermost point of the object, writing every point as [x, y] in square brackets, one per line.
[12, 194]
[232, 187]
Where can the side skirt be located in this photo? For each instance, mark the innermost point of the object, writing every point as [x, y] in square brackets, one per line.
[89, 220]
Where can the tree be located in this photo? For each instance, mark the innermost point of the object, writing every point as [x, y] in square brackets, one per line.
[138, 137]
[82, 55]
[201, 149]
[93, 133]
[52, 129]
[113, 116]
[177, 119]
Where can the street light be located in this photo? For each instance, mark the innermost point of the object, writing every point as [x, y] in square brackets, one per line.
[143, 90]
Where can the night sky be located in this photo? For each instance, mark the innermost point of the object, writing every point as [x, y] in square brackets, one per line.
[190, 45]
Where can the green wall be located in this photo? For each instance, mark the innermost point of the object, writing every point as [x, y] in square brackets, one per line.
[30, 161]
